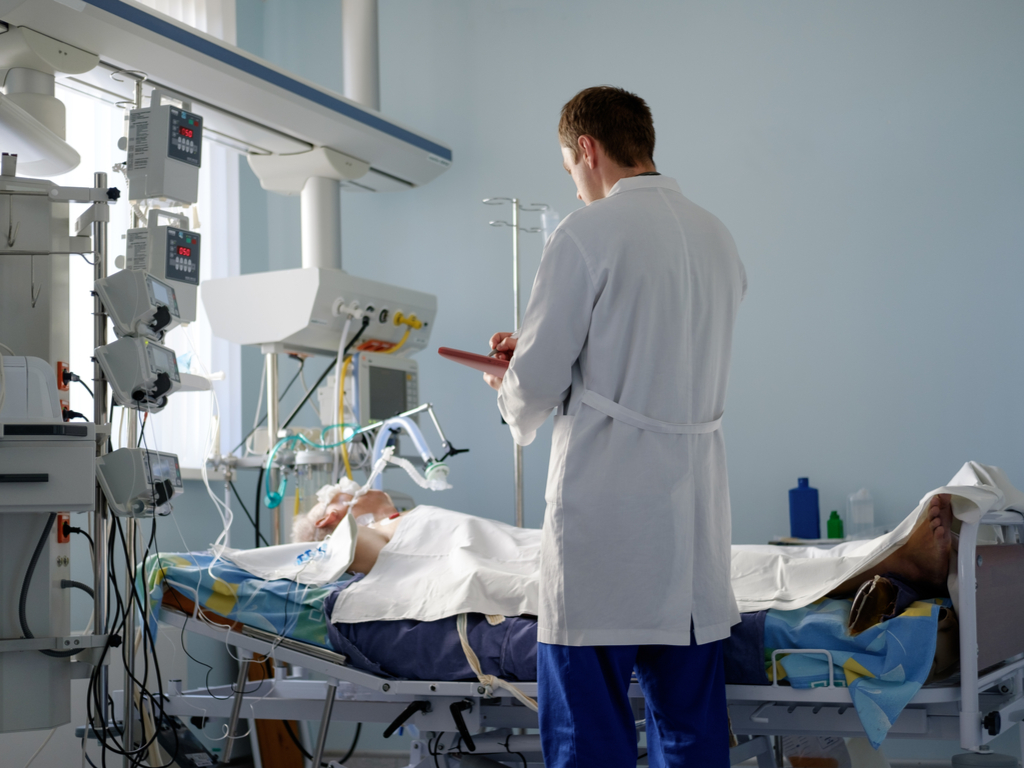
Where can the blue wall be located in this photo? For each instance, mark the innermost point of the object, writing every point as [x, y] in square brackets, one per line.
[867, 158]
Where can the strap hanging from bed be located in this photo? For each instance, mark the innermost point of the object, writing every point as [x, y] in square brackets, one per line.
[474, 663]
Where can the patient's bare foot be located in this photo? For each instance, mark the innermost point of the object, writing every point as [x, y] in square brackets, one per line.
[924, 559]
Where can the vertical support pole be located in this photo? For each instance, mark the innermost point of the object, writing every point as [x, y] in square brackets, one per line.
[967, 584]
[359, 50]
[129, 631]
[100, 416]
[320, 220]
[273, 423]
[236, 708]
[517, 457]
[325, 722]
[130, 534]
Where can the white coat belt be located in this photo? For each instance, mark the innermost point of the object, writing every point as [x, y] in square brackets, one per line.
[634, 419]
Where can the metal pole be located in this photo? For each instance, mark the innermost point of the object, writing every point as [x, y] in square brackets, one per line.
[517, 456]
[236, 708]
[100, 416]
[273, 422]
[129, 532]
[130, 528]
[325, 723]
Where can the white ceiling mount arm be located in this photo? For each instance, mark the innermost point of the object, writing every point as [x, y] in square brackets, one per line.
[23, 47]
[287, 174]
[314, 175]
[32, 122]
[320, 220]
[40, 151]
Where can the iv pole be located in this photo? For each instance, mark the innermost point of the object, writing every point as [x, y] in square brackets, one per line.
[517, 456]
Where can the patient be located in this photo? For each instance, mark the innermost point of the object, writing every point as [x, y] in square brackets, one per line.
[922, 562]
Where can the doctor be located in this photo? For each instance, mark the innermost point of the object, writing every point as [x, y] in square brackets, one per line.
[627, 337]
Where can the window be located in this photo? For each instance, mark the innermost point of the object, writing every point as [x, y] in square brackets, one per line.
[183, 427]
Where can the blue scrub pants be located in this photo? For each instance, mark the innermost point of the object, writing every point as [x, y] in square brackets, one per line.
[586, 720]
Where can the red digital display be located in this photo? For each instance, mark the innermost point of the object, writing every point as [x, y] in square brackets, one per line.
[183, 251]
[186, 132]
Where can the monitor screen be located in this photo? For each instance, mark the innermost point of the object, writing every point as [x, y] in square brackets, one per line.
[162, 361]
[387, 393]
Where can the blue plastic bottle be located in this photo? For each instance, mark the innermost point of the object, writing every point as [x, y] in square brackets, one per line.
[803, 511]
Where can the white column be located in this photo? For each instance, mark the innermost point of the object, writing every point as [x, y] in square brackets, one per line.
[320, 206]
[360, 59]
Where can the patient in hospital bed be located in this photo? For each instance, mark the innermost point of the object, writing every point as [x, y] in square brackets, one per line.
[922, 562]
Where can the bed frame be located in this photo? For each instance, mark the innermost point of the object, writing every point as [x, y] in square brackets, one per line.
[985, 700]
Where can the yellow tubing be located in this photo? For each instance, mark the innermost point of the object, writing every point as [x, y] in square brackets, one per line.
[398, 346]
[341, 416]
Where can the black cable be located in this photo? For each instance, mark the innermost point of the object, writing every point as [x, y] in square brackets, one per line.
[69, 584]
[304, 400]
[69, 529]
[263, 418]
[296, 742]
[520, 754]
[355, 741]
[142, 431]
[68, 377]
[23, 601]
[256, 522]
[259, 535]
[136, 755]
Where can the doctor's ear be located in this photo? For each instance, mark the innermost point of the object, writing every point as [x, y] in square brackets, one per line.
[588, 147]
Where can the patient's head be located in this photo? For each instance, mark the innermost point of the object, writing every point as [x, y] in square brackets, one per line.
[322, 519]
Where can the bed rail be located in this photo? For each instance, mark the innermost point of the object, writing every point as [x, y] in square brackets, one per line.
[979, 726]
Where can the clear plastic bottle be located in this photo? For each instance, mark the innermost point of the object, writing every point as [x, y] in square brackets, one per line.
[860, 514]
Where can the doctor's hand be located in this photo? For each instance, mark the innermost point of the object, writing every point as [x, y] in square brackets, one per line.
[503, 344]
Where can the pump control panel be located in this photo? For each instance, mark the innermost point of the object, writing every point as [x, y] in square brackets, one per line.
[142, 373]
[165, 150]
[138, 482]
[169, 252]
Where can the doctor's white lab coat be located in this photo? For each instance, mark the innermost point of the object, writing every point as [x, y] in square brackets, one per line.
[628, 334]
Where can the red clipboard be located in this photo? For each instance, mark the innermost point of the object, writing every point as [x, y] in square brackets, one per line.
[492, 365]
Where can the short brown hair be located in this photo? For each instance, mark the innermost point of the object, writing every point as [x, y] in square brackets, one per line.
[621, 121]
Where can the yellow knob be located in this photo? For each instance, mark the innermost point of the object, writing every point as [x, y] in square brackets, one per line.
[410, 320]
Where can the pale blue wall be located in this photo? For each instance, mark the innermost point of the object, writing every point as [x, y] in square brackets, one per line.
[867, 158]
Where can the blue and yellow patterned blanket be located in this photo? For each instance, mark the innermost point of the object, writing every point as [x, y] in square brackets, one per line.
[280, 606]
[884, 666]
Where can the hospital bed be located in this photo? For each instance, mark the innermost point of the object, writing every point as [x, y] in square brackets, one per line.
[984, 700]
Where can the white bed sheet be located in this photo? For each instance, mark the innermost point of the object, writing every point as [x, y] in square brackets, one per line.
[787, 578]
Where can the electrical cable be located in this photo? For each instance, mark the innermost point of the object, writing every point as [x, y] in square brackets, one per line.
[69, 584]
[355, 742]
[45, 742]
[263, 418]
[256, 522]
[327, 370]
[23, 600]
[297, 743]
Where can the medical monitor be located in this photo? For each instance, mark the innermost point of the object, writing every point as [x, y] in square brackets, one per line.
[385, 386]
